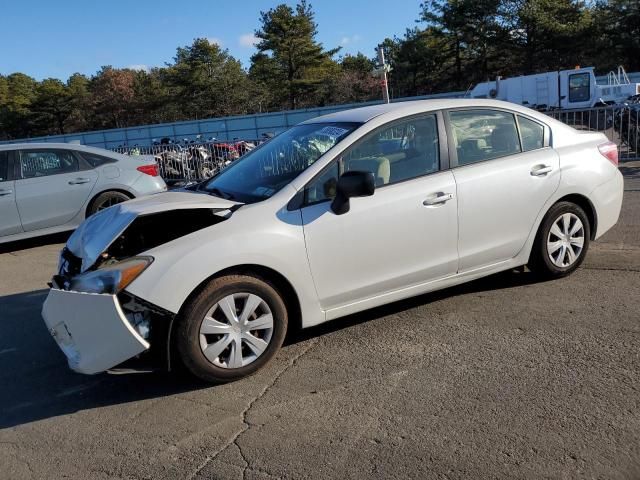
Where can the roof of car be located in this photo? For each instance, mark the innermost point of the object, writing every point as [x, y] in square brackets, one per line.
[402, 109]
[73, 146]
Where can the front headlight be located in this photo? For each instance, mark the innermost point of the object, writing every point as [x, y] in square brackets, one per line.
[112, 278]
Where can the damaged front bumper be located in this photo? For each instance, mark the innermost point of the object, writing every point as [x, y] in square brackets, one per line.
[91, 329]
[96, 323]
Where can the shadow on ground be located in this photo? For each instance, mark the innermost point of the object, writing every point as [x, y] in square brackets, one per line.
[41, 241]
[38, 385]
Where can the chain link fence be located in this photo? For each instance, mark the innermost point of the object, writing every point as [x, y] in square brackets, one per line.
[620, 123]
[192, 161]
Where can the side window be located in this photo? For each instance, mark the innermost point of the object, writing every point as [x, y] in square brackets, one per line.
[531, 133]
[4, 166]
[481, 135]
[95, 160]
[403, 151]
[579, 87]
[323, 187]
[40, 163]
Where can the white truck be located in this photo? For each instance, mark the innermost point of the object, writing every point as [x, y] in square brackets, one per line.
[564, 89]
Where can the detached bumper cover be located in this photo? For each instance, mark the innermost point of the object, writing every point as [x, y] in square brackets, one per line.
[91, 329]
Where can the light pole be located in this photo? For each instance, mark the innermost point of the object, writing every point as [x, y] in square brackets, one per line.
[381, 69]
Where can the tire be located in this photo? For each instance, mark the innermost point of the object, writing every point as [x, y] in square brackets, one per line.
[556, 256]
[106, 200]
[206, 347]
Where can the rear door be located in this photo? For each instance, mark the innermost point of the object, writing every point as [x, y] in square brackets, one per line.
[52, 186]
[505, 172]
[9, 218]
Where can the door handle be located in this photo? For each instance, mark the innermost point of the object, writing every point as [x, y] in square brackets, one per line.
[540, 170]
[5, 192]
[437, 198]
[79, 181]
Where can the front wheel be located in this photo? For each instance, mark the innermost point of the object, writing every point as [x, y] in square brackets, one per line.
[232, 328]
[562, 241]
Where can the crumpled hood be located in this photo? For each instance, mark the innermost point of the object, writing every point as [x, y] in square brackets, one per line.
[96, 233]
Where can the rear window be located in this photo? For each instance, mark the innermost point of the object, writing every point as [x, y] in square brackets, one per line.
[483, 135]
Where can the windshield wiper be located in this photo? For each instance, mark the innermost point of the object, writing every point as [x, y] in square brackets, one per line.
[219, 193]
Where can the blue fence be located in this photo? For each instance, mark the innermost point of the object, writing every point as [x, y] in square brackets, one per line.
[223, 128]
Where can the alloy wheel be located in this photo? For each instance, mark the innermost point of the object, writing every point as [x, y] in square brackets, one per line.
[109, 202]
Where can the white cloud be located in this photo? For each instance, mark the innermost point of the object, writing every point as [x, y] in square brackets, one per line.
[215, 41]
[140, 67]
[344, 41]
[248, 40]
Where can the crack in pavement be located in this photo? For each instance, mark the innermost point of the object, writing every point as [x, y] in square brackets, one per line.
[243, 416]
[611, 269]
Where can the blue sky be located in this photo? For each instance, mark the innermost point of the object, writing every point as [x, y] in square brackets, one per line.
[49, 38]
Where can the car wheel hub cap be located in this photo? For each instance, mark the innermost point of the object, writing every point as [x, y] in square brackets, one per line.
[565, 240]
[236, 330]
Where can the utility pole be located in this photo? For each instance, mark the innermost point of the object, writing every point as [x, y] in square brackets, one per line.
[381, 70]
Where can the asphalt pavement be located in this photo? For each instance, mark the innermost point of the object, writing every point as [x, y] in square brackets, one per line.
[504, 377]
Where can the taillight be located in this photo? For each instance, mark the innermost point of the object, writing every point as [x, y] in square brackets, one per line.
[149, 170]
[609, 150]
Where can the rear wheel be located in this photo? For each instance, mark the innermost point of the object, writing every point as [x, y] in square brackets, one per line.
[562, 241]
[106, 200]
[232, 328]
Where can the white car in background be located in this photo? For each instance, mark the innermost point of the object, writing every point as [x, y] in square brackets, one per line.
[336, 215]
[52, 187]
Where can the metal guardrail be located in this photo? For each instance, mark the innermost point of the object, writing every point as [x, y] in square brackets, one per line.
[620, 123]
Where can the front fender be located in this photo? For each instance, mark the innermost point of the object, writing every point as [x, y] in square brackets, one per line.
[253, 235]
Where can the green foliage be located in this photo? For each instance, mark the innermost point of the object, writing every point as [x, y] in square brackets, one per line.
[206, 81]
[455, 44]
[290, 57]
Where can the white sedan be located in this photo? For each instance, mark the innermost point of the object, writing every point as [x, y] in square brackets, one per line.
[52, 187]
[336, 215]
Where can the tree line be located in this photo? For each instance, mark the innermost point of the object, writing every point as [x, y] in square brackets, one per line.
[453, 45]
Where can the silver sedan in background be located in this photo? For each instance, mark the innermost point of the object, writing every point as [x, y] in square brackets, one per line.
[52, 187]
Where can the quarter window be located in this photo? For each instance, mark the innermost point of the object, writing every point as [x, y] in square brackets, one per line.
[96, 160]
[40, 163]
[579, 87]
[531, 133]
[323, 187]
[481, 135]
[4, 166]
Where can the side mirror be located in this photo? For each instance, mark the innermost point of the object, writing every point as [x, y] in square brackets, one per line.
[352, 184]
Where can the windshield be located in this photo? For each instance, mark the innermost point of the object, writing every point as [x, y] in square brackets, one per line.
[267, 169]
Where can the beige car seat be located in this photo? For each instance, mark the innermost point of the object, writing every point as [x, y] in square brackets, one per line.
[379, 166]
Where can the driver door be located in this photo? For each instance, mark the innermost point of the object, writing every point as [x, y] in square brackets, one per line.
[52, 188]
[404, 235]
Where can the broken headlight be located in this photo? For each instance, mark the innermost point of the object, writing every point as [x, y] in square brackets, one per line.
[112, 278]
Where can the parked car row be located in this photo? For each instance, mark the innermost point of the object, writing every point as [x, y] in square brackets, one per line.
[49, 188]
